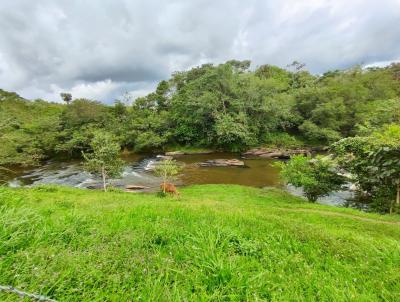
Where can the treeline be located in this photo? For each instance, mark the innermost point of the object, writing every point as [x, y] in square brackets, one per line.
[228, 107]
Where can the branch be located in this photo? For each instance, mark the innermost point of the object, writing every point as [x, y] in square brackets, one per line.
[22, 294]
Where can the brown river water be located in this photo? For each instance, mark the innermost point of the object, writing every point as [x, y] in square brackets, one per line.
[258, 172]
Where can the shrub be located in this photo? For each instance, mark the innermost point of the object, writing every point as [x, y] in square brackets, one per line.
[317, 176]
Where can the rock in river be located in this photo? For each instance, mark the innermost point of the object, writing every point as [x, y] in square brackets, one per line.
[222, 163]
[135, 187]
[177, 153]
[174, 153]
[276, 153]
[165, 157]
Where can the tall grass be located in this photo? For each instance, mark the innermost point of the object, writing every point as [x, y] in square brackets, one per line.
[214, 243]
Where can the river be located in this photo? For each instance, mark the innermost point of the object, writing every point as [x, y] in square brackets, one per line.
[258, 172]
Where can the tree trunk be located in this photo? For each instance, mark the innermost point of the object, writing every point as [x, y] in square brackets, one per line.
[103, 174]
[397, 200]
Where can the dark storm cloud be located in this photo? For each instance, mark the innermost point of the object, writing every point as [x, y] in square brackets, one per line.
[101, 48]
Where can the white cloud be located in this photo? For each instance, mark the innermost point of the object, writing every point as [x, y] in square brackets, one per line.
[99, 49]
[381, 63]
[94, 90]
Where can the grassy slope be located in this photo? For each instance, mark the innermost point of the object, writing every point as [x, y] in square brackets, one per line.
[219, 243]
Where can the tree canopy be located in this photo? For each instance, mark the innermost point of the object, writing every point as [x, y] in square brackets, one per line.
[374, 163]
[228, 107]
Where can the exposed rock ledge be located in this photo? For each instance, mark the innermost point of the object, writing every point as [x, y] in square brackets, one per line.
[276, 153]
[222, 163]
[177, 153]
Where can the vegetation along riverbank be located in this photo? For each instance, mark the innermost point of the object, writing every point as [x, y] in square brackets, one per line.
[227, 107]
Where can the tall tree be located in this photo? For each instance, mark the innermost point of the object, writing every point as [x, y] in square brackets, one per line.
[67, 97]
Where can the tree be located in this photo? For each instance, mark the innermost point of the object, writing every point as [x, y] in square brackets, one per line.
[317, 176]
[226, 106]
[105, 159]
[67, 97]
[82, 112]
[374, 163]
[232, 132]
[167, 170]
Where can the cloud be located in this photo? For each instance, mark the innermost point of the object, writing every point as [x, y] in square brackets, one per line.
[381, 63]
[102, 48]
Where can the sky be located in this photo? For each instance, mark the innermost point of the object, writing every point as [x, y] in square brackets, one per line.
[100, 49]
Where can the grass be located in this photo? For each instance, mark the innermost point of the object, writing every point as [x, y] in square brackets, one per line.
[215, 243]
[288, 141]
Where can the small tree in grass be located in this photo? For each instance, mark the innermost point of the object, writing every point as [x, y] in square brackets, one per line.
[167, 170]
[105, 159]
[317, 176]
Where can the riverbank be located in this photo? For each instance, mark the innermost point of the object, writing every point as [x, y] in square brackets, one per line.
[266, 151]
[215, 242]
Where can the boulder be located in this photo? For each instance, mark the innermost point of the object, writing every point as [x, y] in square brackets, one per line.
[174, 153]
[177, 153]
[222, 163]
[95, 186]
[276, 153]
[165, 157]
[135, 187]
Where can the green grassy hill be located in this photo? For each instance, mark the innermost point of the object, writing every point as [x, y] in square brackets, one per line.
[214, 243]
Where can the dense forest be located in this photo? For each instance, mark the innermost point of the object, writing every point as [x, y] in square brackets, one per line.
[224, 107]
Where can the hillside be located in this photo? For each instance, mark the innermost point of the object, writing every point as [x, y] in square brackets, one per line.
[214, 243]
[28, 129]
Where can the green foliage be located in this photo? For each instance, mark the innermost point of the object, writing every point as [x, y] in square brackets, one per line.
[79, 120]
[67, 97]
[167, 169]
[227, 107]
[317, 176]
[374, 162]
[232, 132]
[104, 160]
[315, 133]
[372, 115]
[282, 140]
[217, 243]
[82, 112]
[28, 130]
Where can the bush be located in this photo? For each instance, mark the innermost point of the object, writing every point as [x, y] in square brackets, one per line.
[374, 163]
[317, 176]
[318, 133]
[282, 140]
